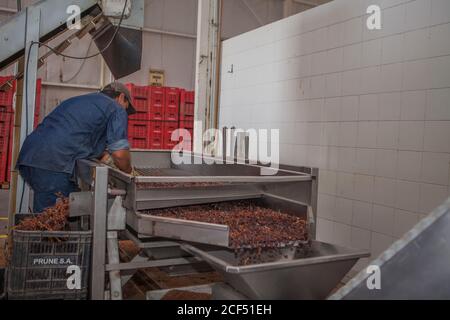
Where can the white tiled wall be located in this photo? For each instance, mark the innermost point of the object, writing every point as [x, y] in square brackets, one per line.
[371, 109]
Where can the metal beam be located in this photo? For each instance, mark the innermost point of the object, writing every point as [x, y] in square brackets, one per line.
[207, 68]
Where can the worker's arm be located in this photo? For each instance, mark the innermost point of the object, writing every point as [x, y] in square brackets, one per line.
[122, 160]
[117, 140]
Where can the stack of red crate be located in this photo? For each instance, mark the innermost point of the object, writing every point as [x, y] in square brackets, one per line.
[187, 101]
[7, 125]
[157, 117]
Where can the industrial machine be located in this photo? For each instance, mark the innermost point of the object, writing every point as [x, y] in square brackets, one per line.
[115, 203]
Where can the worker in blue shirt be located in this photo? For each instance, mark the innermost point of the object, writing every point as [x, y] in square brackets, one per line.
[92, 126]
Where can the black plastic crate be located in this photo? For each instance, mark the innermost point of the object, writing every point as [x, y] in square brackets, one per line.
[39, 263]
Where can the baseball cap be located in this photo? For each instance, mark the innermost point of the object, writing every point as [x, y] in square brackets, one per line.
[121, 88]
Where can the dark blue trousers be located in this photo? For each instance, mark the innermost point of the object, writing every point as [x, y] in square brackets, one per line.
[46, 185]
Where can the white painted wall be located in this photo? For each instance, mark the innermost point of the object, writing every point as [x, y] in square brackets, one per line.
[371, 109]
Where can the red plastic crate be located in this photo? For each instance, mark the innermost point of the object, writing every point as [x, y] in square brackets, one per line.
[172, 105]
[36, 123]
[187, 109]
[157, 104]
[156, 140]
[141, 97]
[138, 129]
[5, 135]
[169, 128]
[7, 94]
[190, 97]
[187, 124]
[138, 143]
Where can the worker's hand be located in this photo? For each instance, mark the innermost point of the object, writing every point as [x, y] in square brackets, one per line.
[108, 160]
[134, 173]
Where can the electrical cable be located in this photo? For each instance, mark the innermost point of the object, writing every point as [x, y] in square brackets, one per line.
[81, 66]
[68, 57]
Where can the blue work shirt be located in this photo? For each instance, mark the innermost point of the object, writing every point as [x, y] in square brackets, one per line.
[79, 128]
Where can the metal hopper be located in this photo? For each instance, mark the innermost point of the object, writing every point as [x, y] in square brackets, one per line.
[313, 276]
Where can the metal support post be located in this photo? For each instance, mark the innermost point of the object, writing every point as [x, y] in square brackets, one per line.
[33, 18]
[99, 233]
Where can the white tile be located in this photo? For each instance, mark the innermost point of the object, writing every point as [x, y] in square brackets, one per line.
[360, 238]
[440, 11]
[411, 135]
[440, 40]
[368, 107]
[351, 82]
[325, 206]
[365, 161]
[325, 231]
[335, 60]
[349, 108]
[332, 109]
[371, 80]
[407, 195]
[333, 85]
[438, 104]
[413, 105]
[388, 134]
[432, 196]
[348, 134]
[313, 110]
[331, 134]
[352, 56]
[394, 20]
[327, 182]
[352, 31]
[335, 35]
[437, 135]
[393, 49]
[409, 165]
[318, 63]
[436, 168]
[347, 159]
[440, 72]
[391, 77]
[371, 53]
[344, 211]
[386, 163]
[362, 215]
[418, 14]
[331, 157]
[345, 185]
[367, 134]
[404, 222]
[380, 243]
[383, 220]
[317, 87]
[313, 133]
[342, 234]
[390, 106]
[384, 191]
[319, 39]
[364, 188]
[417, 75]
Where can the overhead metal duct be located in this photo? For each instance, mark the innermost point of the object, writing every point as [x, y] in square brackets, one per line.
[124, 54]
